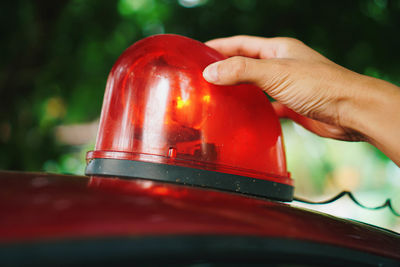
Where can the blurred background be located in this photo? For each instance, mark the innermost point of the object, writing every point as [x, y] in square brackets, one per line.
[57, 55]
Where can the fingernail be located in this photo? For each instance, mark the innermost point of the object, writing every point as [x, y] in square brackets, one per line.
[211, 73]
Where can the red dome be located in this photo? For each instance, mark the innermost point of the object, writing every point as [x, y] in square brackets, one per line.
[159, 109]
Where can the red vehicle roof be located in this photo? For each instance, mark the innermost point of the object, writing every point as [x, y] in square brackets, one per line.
[44, 207]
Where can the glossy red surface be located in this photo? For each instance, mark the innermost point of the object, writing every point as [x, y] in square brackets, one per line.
[37, 207]
[158, 108]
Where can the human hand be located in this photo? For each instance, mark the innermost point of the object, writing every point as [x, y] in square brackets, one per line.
[324, 97]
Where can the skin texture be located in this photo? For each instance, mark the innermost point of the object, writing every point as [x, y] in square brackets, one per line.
[323, 97]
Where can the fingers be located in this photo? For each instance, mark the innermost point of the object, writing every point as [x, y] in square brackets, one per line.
[281, 110]
[284, 112]
[249, 46]
[236, 70]
[265, 48]
[317, 127]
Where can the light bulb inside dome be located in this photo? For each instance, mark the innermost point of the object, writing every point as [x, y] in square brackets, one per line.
[171, 104]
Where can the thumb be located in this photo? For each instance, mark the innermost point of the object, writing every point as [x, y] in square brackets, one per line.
[236, 70]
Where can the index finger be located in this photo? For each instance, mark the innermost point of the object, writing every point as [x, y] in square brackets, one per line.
[248, 46]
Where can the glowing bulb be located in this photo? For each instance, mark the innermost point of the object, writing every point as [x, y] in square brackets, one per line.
[180, 103]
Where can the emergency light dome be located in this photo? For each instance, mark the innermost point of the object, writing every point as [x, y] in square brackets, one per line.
[162, 121]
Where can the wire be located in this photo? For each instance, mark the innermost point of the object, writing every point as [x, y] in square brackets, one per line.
[388, 202]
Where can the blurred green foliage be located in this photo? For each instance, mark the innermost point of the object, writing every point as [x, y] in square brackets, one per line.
[56, 56]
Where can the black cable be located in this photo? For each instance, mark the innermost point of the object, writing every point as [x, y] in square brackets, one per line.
[388, 202]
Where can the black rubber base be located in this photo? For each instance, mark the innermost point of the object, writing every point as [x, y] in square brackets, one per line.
[190, 176]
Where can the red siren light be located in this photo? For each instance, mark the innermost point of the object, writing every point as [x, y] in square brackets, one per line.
[162, 121]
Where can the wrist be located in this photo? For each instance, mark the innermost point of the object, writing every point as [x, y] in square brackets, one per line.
[373, 111]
